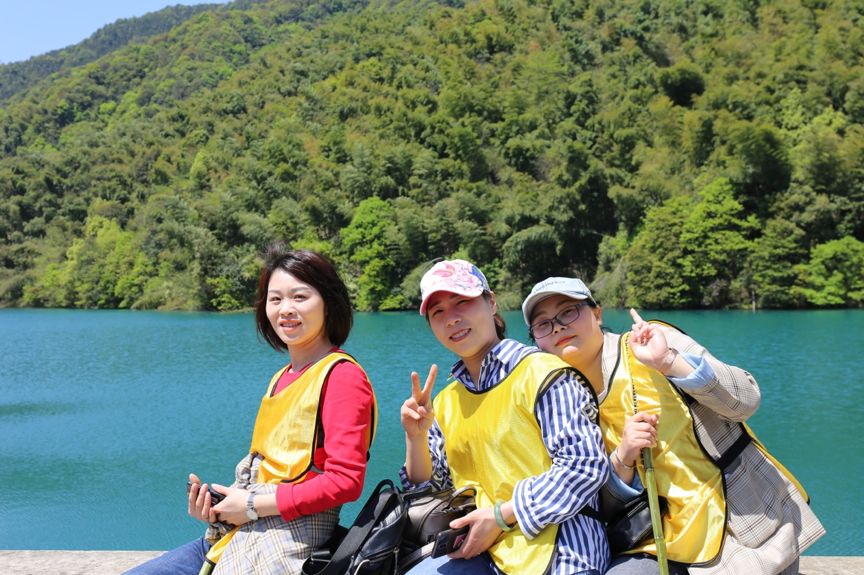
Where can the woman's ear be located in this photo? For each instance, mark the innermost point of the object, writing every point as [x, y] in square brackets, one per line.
[493, 302]
[598, 313]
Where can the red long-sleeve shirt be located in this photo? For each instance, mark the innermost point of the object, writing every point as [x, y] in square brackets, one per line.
[346, 413]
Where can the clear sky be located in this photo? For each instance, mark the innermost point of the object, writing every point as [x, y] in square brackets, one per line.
[33, 27]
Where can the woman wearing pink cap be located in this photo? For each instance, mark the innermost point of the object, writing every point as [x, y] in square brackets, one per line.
[516, 425]
[732, 508]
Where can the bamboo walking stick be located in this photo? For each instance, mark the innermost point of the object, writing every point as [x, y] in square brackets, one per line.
[651, 487]
[654, 506]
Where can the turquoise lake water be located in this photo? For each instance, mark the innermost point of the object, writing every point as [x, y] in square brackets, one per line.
[103, 414]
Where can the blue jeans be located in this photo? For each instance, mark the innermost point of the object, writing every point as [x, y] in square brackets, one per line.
[640, 565]
[185, 560]
[480, 565]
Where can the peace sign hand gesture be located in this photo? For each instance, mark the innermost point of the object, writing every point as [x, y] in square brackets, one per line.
[416, 412]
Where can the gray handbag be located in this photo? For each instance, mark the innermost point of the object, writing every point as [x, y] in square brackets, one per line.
[429, 513]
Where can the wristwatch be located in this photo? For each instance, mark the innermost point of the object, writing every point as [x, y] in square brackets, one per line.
[250, 508]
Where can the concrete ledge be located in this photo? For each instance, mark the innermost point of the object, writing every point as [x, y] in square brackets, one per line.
[831, 566]
[117, 562]
[72, 562]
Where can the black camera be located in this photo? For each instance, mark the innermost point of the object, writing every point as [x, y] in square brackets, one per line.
[215, 496]
[449, 541]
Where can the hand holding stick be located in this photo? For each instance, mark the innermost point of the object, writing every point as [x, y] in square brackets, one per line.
[653, 501]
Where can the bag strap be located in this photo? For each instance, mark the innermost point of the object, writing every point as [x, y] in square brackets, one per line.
[415, 557]
[411, 495]
[461, 491]
[734, 450]
[591, 513]
[377, 506]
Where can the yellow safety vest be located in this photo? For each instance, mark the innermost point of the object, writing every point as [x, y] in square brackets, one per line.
[286, 429]
[692, 484]
[694, 526]
[493, 441]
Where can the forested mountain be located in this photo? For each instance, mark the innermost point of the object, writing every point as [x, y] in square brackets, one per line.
[18, 76]
[677, 153]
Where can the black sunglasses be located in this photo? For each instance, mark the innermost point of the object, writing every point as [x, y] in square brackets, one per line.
[564, 317]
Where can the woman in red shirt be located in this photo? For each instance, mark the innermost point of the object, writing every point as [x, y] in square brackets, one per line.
[310, 440]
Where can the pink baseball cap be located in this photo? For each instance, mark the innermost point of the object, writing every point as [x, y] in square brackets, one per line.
[454, 276]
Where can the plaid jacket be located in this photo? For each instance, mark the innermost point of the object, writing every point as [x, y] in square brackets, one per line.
[768, 522]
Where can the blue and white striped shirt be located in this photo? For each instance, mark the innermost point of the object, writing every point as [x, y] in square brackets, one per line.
[579, 463]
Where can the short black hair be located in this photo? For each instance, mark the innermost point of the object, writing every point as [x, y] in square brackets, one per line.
[317, 271]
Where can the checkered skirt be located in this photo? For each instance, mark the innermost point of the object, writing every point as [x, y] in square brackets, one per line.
[271, 545]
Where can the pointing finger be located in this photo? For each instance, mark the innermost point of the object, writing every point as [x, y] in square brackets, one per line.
[635, 316]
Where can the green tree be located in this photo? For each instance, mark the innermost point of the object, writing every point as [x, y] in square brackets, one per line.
[715, 240]
[102, 270]
[681, 83]
[609, 286]
[773, 257]
[365, 242]
[654, 275]
[834, 276]
[760, 164]
[531, 254]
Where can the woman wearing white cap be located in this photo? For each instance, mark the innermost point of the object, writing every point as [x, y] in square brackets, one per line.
[732, 508]
[515, 425]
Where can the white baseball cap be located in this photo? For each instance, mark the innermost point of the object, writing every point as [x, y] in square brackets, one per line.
[571, 287]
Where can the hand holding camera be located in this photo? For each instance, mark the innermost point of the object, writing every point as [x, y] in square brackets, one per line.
[198, 504]
[449, 541]
[215, 496]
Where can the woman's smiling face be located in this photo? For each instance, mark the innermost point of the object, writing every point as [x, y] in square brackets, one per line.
[296, 310]
[577, 343]
[464, 325]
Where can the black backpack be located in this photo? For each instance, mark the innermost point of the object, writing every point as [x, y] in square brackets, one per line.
[371, 545]
[387, 538]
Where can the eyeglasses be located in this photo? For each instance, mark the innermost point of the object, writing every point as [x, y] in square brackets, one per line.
[564, 317]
